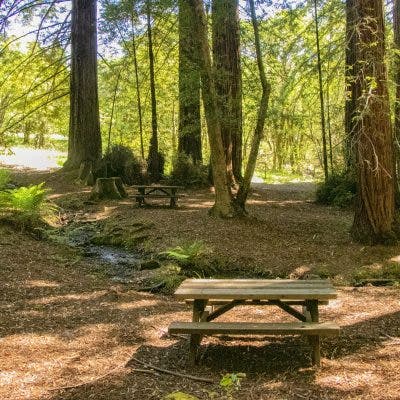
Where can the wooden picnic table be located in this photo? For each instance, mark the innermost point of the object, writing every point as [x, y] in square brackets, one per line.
[157, 191]
[212, 298]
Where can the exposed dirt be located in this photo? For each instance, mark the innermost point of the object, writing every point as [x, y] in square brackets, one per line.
[63, 323]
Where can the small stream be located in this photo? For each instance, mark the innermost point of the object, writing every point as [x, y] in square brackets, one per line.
[121, 265]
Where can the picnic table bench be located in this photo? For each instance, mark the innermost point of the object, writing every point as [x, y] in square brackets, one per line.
[212, 298]
[157, 192]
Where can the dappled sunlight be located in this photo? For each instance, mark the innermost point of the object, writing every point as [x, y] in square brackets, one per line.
[350, 379]
[395, 259]
[39, 159]
[41, 283]
[68, 297]
[137, 304]
[51, 361]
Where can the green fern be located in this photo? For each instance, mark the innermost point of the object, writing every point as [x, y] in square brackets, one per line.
[26, 205]
[186, 253]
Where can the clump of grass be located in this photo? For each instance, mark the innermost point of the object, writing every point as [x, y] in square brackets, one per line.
[27, 207]
[387, 271]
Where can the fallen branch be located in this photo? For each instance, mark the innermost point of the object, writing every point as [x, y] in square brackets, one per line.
[166, 371]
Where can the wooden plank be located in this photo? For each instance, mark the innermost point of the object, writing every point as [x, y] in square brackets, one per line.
[156, 187]
[240, 328]
[225, 283]
[220, 302]
[161, 196]
[267, 293]
[254, 284]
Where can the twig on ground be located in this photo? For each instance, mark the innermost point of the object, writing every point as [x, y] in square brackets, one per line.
[166, 371]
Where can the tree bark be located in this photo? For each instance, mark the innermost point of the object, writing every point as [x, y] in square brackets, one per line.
[374, 220]
[153, 159]
[244, 188]
[223, 201]
[189, 86]
[138, 98]
[396, 66]
[321, 95]
[351, 99]
[228, 82]
[84, 145]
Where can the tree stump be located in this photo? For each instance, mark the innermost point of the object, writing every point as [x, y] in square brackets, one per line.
[108, 188]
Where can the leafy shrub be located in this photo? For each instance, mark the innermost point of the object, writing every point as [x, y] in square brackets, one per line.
[187, 173]
[28, 207]
[121, 161]
[338, 190]
[4, 178]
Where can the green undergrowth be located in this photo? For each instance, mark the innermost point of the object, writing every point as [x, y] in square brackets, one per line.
[25, 207]
[385, 273]
[338, 190]
[129, 235]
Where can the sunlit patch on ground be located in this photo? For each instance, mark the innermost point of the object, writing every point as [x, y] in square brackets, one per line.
[40, 159]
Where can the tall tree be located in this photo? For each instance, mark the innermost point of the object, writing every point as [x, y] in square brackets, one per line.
[137, 85]
[374, 220]
[321, 94]
[228, 81]
[84, 145]
[350, 105]
[223, 206]
[396, 36]
[153, 159]
[244, 187]
[189, 86]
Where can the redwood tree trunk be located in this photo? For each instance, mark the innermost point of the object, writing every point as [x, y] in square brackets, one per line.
[351, 99]
[396, 36]
[189, 86]
[228, 83]
[374, 219]
[223, 200]
[153, 160]
[84, 145]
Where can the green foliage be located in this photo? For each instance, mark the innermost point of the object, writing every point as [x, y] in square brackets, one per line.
[390, 271]
[121, 161]
[28, 206]
[187, 173]
[170, 276]
[339, 190]
[231, 382]
[4, 178]
[187, 253]
[126, 235]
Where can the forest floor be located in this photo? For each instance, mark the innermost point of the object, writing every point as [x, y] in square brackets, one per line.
[67, 331]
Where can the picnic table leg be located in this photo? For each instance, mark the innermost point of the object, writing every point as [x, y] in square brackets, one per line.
[195, 339]
[172, 203]
[315, 341]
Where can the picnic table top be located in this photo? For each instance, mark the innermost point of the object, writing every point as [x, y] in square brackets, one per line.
[256, 289]
[158, 186]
